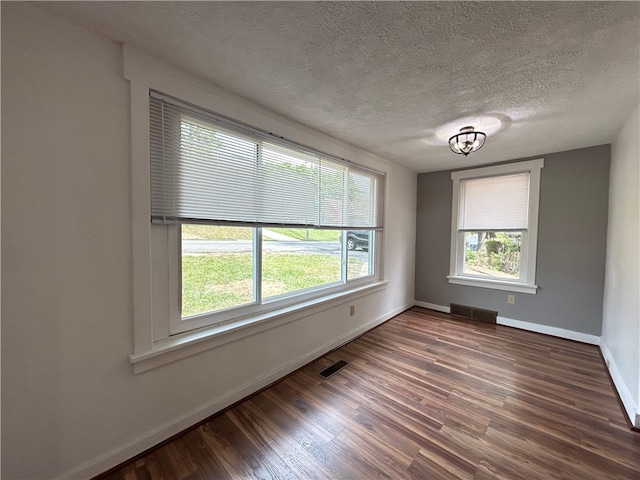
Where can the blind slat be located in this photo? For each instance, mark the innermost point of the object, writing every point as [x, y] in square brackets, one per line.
[205, 171]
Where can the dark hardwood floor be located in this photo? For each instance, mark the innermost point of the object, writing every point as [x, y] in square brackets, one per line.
[424, 396]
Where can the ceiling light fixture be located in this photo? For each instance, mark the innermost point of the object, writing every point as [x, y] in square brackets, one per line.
[467, 141]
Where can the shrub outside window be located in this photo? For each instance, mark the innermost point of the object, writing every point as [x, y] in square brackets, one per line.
[492, 254]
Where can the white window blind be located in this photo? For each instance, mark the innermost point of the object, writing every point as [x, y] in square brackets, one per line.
[209, 169]
[494, 203]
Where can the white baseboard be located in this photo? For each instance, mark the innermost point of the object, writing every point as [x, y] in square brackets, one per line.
[553, 331]
[630, 407]
[531, 327]
[175, 426]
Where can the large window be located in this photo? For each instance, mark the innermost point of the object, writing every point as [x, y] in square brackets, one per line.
[252, 222]
[495, 225]
[228, 271]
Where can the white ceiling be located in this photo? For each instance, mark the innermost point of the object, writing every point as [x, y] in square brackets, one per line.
[397, 79]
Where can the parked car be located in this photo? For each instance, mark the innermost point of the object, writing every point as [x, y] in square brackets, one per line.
[358, 239]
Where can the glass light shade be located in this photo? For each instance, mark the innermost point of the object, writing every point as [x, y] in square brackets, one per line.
[467, 141]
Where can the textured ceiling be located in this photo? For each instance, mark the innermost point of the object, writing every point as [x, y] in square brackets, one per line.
[397, 79]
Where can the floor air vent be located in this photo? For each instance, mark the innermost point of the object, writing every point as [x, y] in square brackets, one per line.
[327, 372]
[474, 313]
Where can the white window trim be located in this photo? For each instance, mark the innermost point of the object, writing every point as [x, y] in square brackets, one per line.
[152, 344]
[189, 343]
[527, 283]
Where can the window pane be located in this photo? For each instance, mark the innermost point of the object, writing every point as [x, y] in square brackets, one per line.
[296, 258]
[359, 255]
[492, 254]
[217, 268]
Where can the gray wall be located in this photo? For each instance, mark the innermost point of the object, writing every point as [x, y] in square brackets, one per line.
[571, 245]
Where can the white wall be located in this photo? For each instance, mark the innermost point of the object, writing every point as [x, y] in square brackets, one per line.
[621, 313]
[71, 405]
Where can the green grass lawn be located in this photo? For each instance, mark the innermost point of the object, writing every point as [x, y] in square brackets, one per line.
[215, 281]
[286, 272]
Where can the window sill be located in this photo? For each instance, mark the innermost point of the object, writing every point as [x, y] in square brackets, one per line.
[494, 284]
[186, 344]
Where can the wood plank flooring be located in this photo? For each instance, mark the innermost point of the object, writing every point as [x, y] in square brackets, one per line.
[424, 396]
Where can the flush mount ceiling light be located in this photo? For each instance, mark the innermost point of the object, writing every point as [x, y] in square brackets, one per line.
[467, 141]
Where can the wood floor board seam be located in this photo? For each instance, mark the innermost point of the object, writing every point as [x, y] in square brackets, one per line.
[425, 396]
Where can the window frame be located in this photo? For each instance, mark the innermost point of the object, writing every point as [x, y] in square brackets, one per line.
[228, 316]
[259, 140]
[152, 345]
[528, 253]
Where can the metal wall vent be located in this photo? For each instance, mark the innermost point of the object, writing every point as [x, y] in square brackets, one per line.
[474, 313]
[327, 372]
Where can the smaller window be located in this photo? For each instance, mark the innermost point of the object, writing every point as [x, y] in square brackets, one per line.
[495, 226]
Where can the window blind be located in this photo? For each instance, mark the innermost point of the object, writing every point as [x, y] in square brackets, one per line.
[209, 169]
[494, 203]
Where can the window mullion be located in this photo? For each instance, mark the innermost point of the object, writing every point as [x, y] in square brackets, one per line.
[344, 256]
[257, 265]
[174, 272]
[460, 253]
[257, 232]
[524, 256]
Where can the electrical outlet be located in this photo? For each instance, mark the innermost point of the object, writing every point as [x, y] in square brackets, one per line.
[352, 310]
[511, 299]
